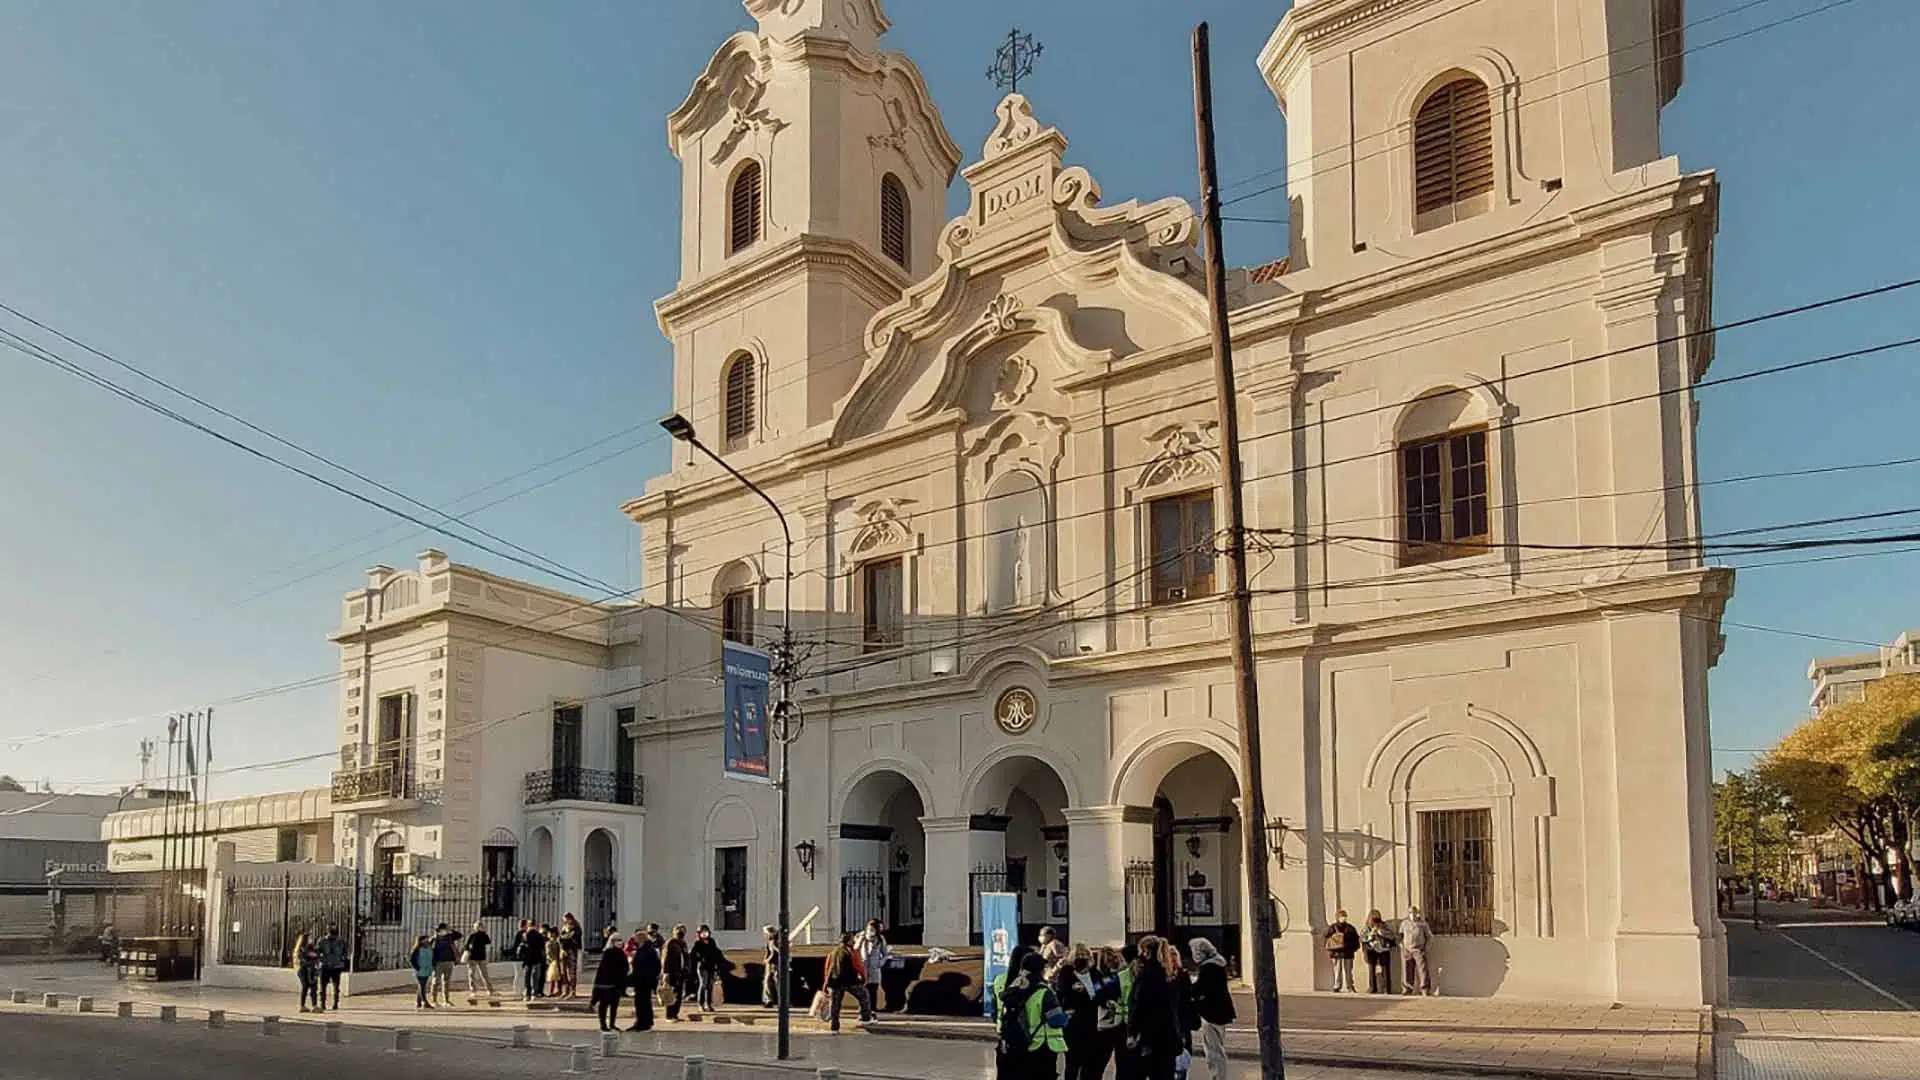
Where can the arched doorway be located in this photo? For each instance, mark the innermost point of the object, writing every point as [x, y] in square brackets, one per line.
[598, 884]
[1019, 843]
[882, 856]
[1195, 871]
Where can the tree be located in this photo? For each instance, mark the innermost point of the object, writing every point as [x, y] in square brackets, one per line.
[1751, 828]
[8, 783]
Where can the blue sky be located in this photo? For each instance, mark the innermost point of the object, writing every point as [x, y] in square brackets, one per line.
[425, 239]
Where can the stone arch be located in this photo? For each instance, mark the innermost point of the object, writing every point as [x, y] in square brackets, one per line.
[1003, 768]
[1007, 663]
[501, 837]
[1139, 769]
[1508, 748]
[912, 772]
[1439, 408]
[1494, 71]
[731, 819]
[600, 851]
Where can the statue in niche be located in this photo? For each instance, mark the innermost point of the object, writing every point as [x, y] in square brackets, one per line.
[1022, 561]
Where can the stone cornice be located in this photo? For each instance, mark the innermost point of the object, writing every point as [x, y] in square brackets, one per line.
[739, 283]
[1312, 25]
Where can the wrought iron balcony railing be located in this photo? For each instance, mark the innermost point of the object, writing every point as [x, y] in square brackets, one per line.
[380, 780]
[586, 785]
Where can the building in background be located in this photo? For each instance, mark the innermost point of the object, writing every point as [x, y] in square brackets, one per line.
[287, 827]
[41, 833]
[995, 438]
[1839, 680]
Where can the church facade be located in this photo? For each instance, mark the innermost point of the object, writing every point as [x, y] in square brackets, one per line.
[1464, 390]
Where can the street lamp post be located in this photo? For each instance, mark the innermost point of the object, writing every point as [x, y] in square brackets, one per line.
[682, 429]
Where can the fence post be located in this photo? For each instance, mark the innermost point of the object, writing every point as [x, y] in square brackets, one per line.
[269, 1025]
[51, 1001]
[85, 1003]
[695, 1068]
[580, 1061]
[333, 1031]
[521, 1040]
[609, 1044]
[124, 1010]
[216, 1018]
[286, 918]
[402, 1040]
[167, 1014]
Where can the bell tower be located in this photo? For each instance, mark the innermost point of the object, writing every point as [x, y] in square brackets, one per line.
[814, 171]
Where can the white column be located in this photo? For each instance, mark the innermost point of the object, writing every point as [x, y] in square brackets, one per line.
[949, 858]
[1101, 840]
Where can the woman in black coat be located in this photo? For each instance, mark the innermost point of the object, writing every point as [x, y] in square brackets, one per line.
[1154, 1039]
[609, 984]
[644, 976]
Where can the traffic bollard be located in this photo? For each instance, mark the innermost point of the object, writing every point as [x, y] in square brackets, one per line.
[402, 1040]
[269, 1025]
[125, 1010]
[581, 1062]
[19, 997]
[694, 1068]
[167, 1014]
[51, 1001]
[521, 1040]
[216, 1018]
[609, 1044]
[829, 1074]
[85, 1003]
[333, 1031]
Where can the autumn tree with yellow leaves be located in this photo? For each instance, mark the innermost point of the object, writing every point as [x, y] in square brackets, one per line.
[1856, 767]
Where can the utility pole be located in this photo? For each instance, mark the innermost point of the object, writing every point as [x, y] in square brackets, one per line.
[1253, 833]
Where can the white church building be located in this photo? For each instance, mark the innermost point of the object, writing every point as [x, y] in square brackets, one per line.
[996, 444]
[1465, 392]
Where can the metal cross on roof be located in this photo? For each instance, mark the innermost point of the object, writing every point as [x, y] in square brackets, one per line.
[1013, 60]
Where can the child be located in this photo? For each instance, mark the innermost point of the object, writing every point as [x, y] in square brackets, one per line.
[422, 960]
[556, 974]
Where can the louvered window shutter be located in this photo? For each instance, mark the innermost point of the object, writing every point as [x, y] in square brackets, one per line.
[743, 215]
[739, 399]
[893, 219]
[1452, 146]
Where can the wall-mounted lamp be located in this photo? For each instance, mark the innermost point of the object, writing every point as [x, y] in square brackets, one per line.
[804, 851]
[901, 857]
[1060, 850]
[1276, 837]
[1193, 846]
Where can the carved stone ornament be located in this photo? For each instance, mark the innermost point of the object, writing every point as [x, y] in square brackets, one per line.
[1014, 126]
[1016, 710]
[999, 315]
[883, 524]
[748, 116]
[1013, 382]
[896, 137]
[1187, 450]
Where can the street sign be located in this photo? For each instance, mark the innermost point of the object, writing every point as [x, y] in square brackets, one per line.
[748, 683]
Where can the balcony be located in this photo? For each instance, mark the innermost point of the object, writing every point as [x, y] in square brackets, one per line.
[585, 785]
[382, 781]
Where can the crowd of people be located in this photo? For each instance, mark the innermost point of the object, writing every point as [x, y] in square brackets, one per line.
[1137, 1008]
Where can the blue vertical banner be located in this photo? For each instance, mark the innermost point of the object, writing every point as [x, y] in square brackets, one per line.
[999, 931]
[749, 684]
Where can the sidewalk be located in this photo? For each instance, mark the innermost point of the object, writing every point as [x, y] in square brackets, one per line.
[1472, 1035]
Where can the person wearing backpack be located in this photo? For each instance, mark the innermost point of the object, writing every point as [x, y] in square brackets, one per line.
[1032, 1025]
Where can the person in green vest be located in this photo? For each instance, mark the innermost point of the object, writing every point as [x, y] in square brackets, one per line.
[999, 984]
[1032, 1025]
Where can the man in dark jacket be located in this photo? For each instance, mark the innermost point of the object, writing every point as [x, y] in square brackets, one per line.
[1153, 1040]
[674, 964]
[843, 976]
[446, 949]
[1342, 942]
[708, 961]
[333, 962]
[531, 947]
[610, 984]
[645, 976]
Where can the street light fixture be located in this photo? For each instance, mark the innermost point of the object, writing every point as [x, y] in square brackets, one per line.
[784, 730]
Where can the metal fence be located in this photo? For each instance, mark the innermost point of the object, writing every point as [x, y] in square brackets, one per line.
[1140, 887]
[863, 896]
[988, 878]
[381, 918]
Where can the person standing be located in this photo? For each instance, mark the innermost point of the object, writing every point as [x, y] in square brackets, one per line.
[421, 960]
[1153, 1037]
[531, 947]
[1376, 941]
[872, 948]
[708, 961]
[1053, 951]
[306, 964]
[842, 976]
[1212, 1003]
[1110, 999]
[1075, 985]
[644, 976]
[770, 978]
[1180, 989]
[1415, 936]
[478, 944]
[333, 962]
[1342, 942]
[674, 966]
[571, 943]
[446, 949]
[556, 960]
[1030, 1026]
[610, 984]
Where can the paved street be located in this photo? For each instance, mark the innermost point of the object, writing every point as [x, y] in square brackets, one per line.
[64, 1045]
[1820, 994]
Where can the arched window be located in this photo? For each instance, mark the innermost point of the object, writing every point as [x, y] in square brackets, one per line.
[739, 384]
[1453, 154]
[743, 208]
[894, 219]
[1445, 503]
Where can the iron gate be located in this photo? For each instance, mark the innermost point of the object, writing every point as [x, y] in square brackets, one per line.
[990, 878]
[863, 896]
[1139, 897]
[599, 905]
[266, 913]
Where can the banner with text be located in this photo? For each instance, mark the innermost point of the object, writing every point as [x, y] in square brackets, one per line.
[999, 930]
[749, 683]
